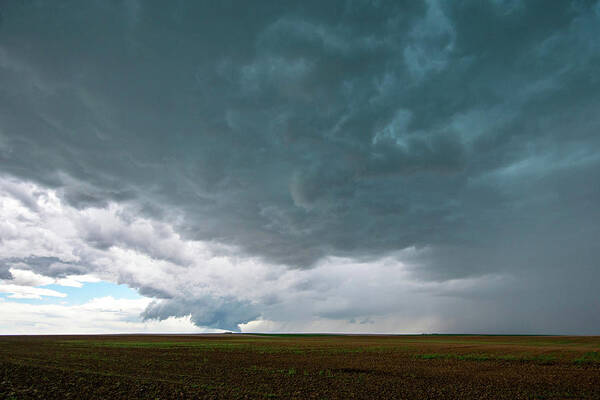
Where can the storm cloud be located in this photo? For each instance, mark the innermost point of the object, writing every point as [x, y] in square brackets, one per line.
[456, 139]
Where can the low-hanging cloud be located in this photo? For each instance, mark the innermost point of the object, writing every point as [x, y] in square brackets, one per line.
[288, 133]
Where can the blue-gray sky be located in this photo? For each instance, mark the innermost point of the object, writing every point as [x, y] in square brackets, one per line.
[400, 166]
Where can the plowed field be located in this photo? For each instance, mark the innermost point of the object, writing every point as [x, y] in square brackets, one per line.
[299, 366]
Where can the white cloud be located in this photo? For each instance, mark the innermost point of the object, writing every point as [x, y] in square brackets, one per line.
[23, 277]
[100, 315]
[28, 292]
[29, 278]
[115, 245]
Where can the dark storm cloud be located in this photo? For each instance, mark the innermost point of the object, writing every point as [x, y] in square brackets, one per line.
[48, 266]
[221, 313]
[305, 130]
[4, 271]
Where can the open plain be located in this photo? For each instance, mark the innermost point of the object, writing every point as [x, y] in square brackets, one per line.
[299, 366]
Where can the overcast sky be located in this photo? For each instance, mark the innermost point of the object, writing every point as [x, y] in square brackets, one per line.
[337, 166]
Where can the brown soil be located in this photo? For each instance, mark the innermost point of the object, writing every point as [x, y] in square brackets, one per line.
[302, 367]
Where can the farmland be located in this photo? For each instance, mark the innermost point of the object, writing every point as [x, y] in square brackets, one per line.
[299, 366]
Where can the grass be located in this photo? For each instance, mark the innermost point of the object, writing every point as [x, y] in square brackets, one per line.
[542, 359]
[162, 345]
[242, 346]
[291, 335]
[592, 357]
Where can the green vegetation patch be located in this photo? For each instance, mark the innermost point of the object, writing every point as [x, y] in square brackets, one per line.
[544, 359]
[136, 344]
[197, 345]
[592, 357]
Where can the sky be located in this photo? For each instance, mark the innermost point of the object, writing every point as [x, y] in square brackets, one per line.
[310, 166]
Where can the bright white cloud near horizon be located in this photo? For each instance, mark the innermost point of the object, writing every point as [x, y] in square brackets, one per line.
[347, 166]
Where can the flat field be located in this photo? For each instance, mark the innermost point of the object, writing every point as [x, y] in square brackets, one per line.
[299, 366]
